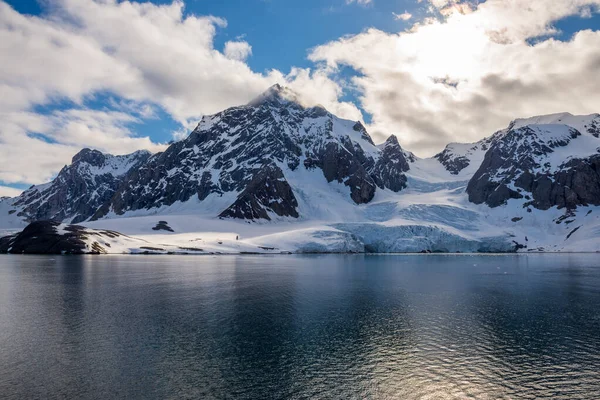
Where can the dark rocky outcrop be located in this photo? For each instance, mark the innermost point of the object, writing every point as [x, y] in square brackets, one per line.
[594, 127]
[267, 193]
[456, 157]
[42, 237]
[482, 188]
[453, 164]
[346, 164]
[162, 226]
[389, 168]
[515, 167]
[50, 237]
[80, 188]
[576, 183]
[359, 127]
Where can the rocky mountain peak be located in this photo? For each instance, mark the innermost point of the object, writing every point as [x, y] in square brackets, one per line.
[277, 96]
[547, 161]
[92, 157]
[226, 155]
[360, 128]
[392, 141]
[80, 188]
[389, 169]
[392, 144]
[546, 119]
[253, 162]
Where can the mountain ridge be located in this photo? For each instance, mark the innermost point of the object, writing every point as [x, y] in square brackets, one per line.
[280, 162]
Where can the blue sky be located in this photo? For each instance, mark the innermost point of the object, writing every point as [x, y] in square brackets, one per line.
[391, 78]
[282, 31]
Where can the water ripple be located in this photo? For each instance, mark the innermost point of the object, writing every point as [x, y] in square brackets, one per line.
[318, 327]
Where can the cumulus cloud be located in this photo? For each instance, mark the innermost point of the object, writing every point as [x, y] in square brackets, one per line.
[405, 16]
[146, 55]
[238, 50]
[7, 191]
[458, 75]
[361, 2]
[34, 146]
[464, 76]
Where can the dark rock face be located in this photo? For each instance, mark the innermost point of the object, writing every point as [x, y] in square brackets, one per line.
[515, 164]
[267, 192]
[50, 237]
[358, 127]
[389, 168]
[576, 183]
[456, 157]
[80, 188]
[5, 243]
[345, 163]
[42, 237]
[453, 164]
[483, 189]
[594, 128]
[94, 158]
[162, 226]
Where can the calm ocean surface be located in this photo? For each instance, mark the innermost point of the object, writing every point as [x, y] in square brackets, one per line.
[299, 327]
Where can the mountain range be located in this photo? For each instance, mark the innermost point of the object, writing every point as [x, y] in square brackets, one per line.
[276, 176]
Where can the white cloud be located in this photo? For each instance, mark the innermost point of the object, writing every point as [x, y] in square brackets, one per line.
[405, 16]
[464, 77]
[440, 3]
[456, 78]
[180, 134]
[6, 191]
[361, 2]
[239, 51]
[586, 12]
[33, 147]
[144, 54]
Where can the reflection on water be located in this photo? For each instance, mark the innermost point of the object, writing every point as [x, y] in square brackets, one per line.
[253, 327]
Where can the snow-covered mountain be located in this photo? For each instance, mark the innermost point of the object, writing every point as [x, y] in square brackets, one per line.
[249, 159]
[79, 189]
[549, 161]
[285, 177]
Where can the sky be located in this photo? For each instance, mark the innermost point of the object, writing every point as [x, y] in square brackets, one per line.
[119, 75]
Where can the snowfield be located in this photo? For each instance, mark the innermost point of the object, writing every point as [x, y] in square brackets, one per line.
[428, 219]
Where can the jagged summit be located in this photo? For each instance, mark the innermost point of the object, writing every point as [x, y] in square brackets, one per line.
[540, 132]
[546, 161]
[276, 95]
[231, 155]
[391, 140]
[92, 157]
[80, 188]
[583, 123]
